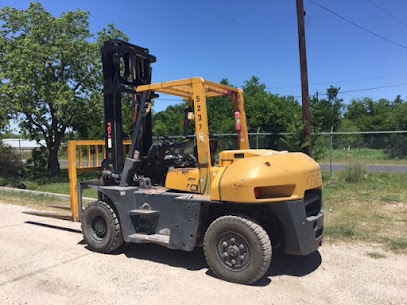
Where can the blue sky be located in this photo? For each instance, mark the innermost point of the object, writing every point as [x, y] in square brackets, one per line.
[238, 39]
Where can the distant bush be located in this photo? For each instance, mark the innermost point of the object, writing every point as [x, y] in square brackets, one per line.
[397, 147]
[354, 173]
[294, 141]
[39, 160]
[10, 161]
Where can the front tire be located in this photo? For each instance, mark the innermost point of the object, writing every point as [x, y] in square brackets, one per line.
[237, 249]
[101, 227]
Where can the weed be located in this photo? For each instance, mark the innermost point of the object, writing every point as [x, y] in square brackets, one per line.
[354, 173]
[342, 231]
[399, 244]
[389, 198]
[375, 255]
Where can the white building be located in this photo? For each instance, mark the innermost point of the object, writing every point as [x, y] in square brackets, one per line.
[23, 144]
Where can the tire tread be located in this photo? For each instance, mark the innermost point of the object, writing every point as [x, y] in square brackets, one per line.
[261, 236]
[117, 236]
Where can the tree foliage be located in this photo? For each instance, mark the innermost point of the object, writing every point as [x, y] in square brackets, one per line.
[327, 113]
[4, 117]
[370, 115]
[268, 111]
[169, 122]
[51, 73]
[10, 161]
[264, 110]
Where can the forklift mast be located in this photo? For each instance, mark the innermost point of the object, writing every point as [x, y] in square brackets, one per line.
[125, 67]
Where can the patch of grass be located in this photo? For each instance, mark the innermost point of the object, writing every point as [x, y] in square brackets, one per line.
[340, 231]
[389, 198]
[375, 255]
[36, 201]
[365, 210]
[399, 244]
[362, 155]
[42, 182]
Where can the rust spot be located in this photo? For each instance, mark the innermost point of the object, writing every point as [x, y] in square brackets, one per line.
[183, 171]
[154, 191]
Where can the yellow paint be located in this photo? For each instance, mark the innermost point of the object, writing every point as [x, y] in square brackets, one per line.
[283, 176]
[89, 164]
[183, 179]
[216, 175]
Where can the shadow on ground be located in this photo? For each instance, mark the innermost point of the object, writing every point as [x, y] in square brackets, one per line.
[46, 225]
[294, 265]
[194, 260]
[281, 264]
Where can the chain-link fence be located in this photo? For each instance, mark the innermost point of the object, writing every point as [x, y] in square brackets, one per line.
[23, 147]
[378, 150]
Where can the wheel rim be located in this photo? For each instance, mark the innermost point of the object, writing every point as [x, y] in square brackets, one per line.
[98, 228]
[233, 251]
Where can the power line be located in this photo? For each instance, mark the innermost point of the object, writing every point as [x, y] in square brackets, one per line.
[298, 96]
[386, 12]
[374, 88]
[364, 89]
[337, 82]
[358, 26]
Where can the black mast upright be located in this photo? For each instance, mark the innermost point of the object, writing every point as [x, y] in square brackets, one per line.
[125, 66]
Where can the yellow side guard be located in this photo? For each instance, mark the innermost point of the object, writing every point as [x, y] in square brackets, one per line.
[84, 156]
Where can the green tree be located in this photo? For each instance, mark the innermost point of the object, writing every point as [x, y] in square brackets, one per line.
[4, 118]
[51, 73]
[396, 145]
[370, 115]
[169, 121]
[327, 112]
[268, 111]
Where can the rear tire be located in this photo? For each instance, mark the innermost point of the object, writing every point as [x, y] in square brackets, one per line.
[237, 249]
[101, 227]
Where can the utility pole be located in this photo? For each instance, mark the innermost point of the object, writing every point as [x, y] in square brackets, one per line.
[306, 117]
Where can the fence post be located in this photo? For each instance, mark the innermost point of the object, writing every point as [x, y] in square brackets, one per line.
[19, 146]
[330, 151]
[257, 138]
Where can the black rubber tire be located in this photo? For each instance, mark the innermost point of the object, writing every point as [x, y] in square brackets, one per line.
[101, 227]
[228, 234]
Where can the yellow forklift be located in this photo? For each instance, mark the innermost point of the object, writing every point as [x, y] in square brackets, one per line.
[238, 205]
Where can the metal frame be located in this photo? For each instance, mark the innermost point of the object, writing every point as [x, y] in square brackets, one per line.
[125, 66]
[196, 90]
[84, 156]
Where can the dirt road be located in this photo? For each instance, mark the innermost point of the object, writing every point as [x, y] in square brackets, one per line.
[44, 261]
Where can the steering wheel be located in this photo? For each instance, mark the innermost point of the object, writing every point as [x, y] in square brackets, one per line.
[188, 160]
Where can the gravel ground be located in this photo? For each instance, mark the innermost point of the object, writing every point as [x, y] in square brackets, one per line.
[44, 261]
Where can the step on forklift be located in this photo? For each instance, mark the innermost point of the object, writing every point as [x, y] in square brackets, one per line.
[238, 205]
